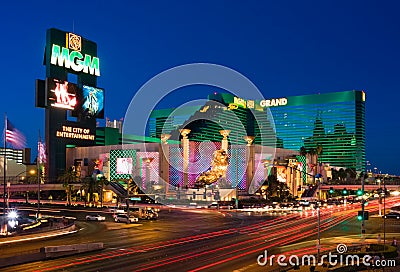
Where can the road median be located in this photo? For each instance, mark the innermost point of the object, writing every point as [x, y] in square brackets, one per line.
[50, 252]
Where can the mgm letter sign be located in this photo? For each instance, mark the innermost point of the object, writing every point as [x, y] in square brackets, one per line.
[71, 56]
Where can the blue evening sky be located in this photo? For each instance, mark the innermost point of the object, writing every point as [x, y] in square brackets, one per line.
[284, 47]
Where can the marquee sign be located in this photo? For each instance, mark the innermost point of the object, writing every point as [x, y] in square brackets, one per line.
[64, 96]
[73, 132]
[71, 51]
[74, 60]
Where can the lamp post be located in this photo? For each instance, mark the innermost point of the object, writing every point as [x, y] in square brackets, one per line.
[38, 180]
[15, 179]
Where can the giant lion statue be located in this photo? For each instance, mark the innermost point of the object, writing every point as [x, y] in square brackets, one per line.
[219, 164]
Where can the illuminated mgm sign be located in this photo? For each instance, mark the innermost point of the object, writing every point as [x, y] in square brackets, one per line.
[71, 53]
[70, 57]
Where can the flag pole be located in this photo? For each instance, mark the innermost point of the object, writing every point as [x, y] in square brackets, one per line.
[4, 172]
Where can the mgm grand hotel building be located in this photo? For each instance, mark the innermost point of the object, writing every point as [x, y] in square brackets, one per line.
[335, 121]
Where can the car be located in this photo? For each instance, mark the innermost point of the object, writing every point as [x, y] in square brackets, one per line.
[95, 217]
[151, 213]
[392, 215]
[116, 210]
[124, 218]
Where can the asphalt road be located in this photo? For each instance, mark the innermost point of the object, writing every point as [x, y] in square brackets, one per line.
[192, 240]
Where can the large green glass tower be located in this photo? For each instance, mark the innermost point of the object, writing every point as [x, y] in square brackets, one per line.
[335, 121]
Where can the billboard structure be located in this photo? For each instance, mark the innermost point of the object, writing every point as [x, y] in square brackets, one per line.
[68, 53]
[122, 163]
[124, 166]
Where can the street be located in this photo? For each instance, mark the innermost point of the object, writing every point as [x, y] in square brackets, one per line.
[197, 240]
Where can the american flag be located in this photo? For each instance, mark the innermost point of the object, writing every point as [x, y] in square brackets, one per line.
[14, 136]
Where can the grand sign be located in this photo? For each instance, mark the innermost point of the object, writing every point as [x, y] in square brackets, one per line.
[273, 102]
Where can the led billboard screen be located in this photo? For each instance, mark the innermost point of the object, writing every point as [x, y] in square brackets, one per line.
[93, 101]
[61, 94]
[90, 102]
[124, 166]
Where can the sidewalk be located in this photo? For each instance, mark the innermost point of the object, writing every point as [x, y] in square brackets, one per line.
[51, 229]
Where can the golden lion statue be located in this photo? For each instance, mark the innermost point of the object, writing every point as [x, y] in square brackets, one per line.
[219, 164]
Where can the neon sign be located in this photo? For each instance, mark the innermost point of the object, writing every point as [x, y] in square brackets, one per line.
[70, 56]
[273, 102]
[239, 101]
[75, 133]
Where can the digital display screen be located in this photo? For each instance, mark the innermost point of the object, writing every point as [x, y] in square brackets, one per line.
[124, 166]
[61, 94]
[90, 102]
[93, 101]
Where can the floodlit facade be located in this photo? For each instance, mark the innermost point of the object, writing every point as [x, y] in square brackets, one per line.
[334, 121]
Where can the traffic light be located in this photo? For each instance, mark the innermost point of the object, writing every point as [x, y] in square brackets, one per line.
[360, 215]
[359, 192]
[331, 191]
[344, 192]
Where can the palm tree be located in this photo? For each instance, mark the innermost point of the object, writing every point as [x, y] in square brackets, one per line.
[91, 186]
[69, 176]
[102, 181]
[276, 189]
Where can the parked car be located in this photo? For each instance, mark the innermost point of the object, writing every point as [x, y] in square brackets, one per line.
[95, 217]
[123, 218]
[392, 215]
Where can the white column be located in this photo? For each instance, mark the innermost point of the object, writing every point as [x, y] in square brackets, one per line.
[185, 145]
